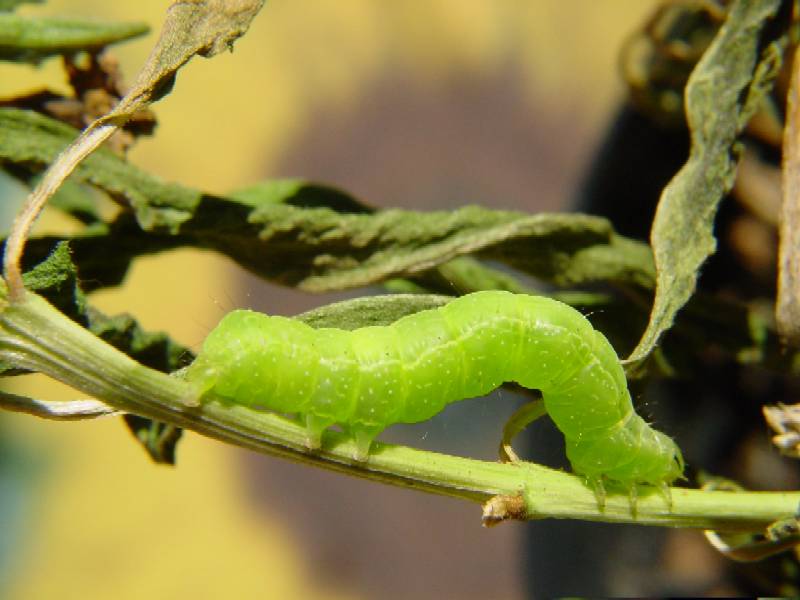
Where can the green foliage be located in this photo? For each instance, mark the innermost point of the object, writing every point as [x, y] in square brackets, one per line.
[31, 39]
[56, 279]
[725, 88]
[370, 310]
[317, 238]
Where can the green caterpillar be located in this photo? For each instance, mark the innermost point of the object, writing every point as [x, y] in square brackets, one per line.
[367, 379]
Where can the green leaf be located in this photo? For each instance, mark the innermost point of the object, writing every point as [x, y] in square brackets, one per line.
[56, 279]
[723, 90]
[160, 440]
[459, 276]
[77, 200]
[299, 193]
[320, 249]
[314, 237]
[152, 349]
[31, 140]
[31, 39]
[371, 310]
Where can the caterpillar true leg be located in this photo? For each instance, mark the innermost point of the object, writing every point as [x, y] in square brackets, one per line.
[524, 416]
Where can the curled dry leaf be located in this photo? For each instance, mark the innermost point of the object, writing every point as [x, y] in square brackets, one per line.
[503, 508]
[785, 421]
[724, 90]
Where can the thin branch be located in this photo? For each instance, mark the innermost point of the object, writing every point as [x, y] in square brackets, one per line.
[35, 336]
[71, 410]
[66, 162]
[787, 306]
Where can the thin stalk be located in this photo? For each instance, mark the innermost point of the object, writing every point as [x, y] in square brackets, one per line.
[65, 164]
[35, 336]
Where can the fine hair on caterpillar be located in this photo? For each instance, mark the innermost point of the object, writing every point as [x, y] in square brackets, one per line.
[370, 378]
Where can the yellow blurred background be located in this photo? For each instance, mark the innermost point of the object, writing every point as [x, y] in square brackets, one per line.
[298, 96]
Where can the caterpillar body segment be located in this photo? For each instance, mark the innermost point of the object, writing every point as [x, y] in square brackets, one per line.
[367, 379]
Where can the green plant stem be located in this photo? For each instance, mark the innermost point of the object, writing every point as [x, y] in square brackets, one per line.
[35, 336]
